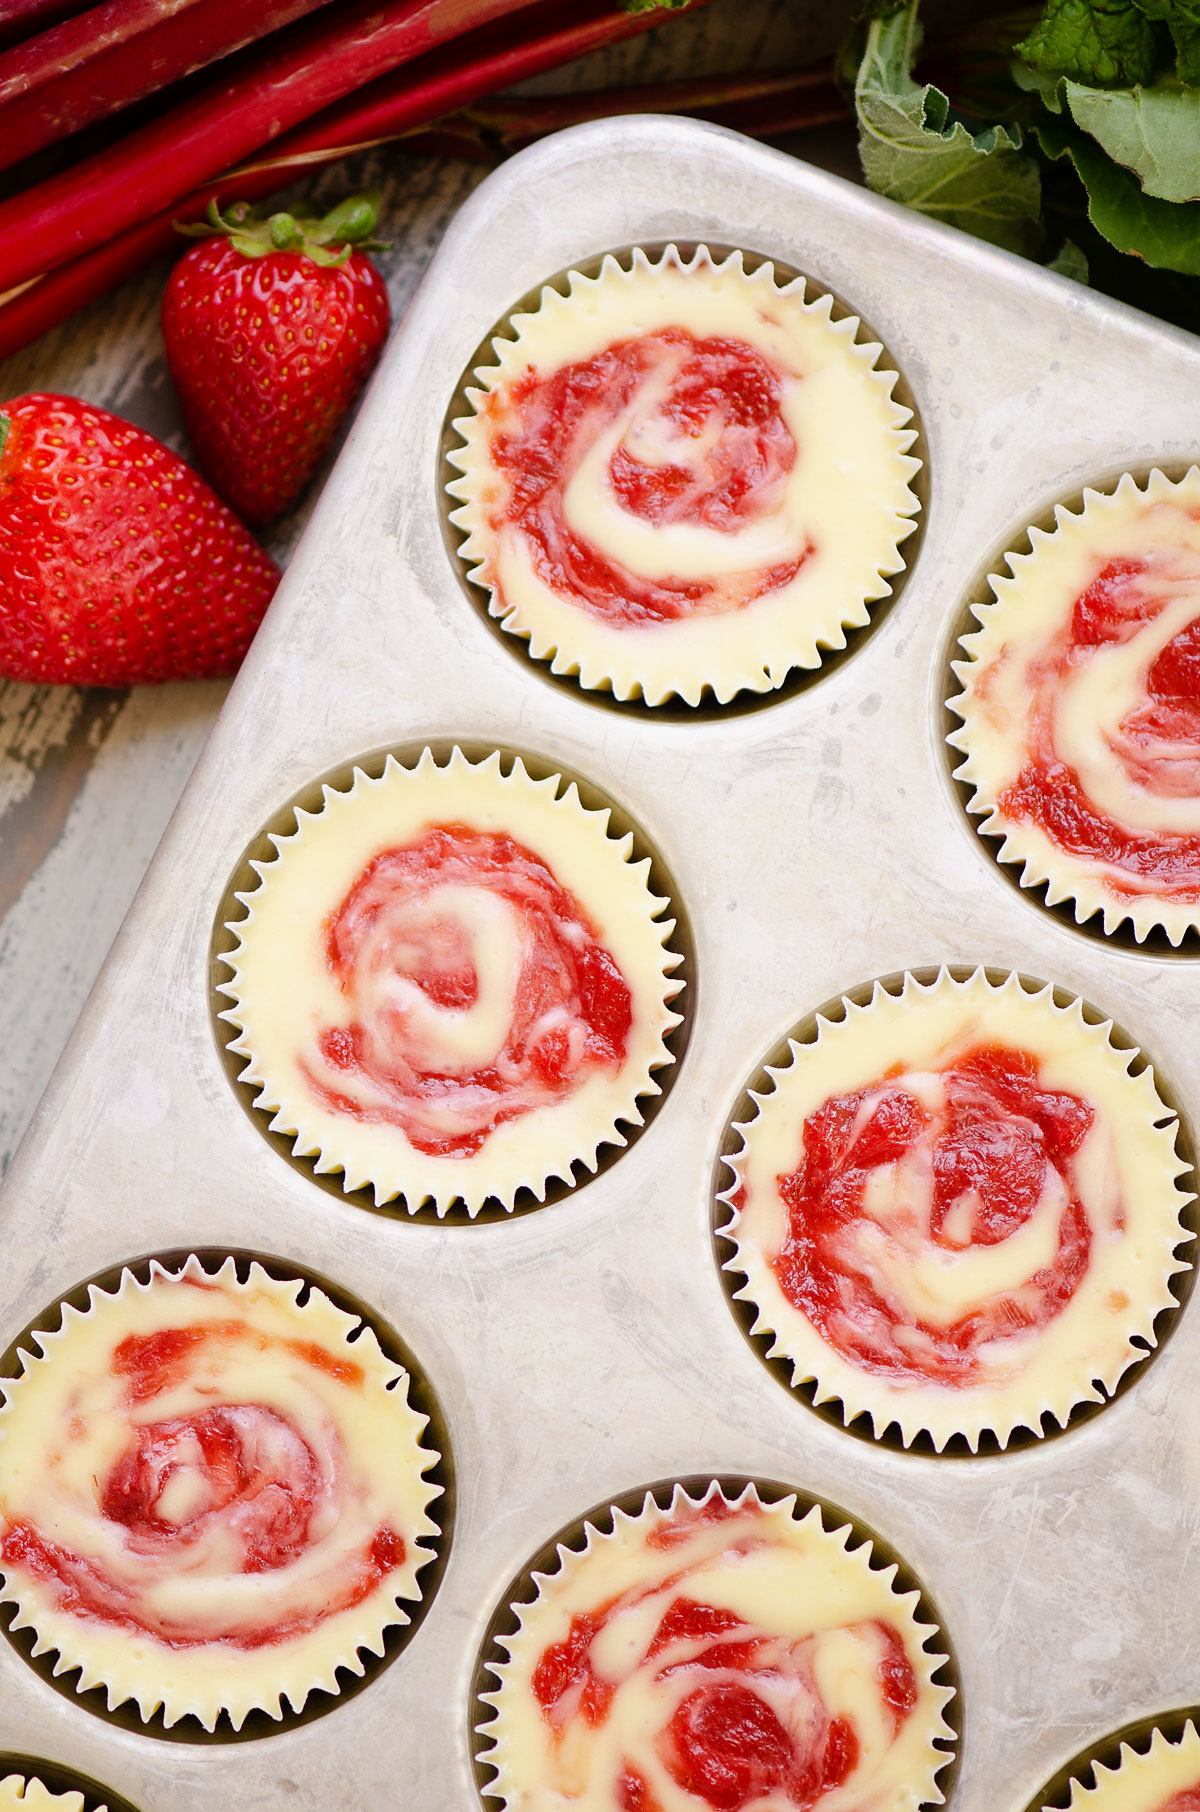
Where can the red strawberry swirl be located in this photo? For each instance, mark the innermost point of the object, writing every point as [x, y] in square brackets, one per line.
[651, 482]
[935, 1215]
[171, 1506]
[476, 990]
[674, 1694]
[1111, 762]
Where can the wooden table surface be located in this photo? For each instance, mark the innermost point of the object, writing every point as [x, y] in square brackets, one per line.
[88, 779]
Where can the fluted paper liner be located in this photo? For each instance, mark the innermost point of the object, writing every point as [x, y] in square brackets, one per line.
[1031, 604]
[24, 1793]
[590, 1572]
[33, 1783]
[382, 1439]
[1143, 1780]
[1081, 1353]
[849, 485]
[282, 992]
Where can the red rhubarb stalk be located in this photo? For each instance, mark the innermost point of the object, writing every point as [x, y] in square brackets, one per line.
[20, 19]
[759, 103]
[438, 83]
[114, 54]
[494, 57]
[155, 167]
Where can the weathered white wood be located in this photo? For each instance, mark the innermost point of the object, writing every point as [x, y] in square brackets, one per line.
[89, 780]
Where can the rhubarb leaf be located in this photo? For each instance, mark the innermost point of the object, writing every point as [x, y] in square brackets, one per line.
[1070, 261]
[914, 152]
[1049, 89]
[1178, 14]
[1165, 234]
[1183, 19]
[1155, 132]
[1100, 42]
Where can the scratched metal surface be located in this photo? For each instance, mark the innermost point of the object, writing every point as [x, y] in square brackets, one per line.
[88, 779]
[588, 1347]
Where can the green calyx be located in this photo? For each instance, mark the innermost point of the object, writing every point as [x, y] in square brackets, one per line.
[5, 428]
[328, 241]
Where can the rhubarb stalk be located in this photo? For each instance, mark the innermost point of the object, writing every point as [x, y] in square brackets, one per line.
[114, 54]
[494, 57]
[155, 167]
[761, 103]
[20, 19]
[438, 83]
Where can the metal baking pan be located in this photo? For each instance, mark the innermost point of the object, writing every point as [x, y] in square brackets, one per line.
[588, 1348]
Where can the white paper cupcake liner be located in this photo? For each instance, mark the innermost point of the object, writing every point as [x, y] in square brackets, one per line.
[849, 485]
[25, 1793]
[30, 1784]
[1030, 607]
[318, 1380]
[283, 993]
[1147, 1777]
[1107, 1325]
[612, 1554]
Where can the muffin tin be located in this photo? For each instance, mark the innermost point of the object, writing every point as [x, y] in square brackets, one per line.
[556, 1556]
[1154, 940]
[587, 1349]
[59, 1781]
[434, 1442]
[1136, 1739]
[825, 1401]
[680, 963]
[674, 707]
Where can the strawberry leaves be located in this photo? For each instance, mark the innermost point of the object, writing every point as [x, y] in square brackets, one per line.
[327, 242]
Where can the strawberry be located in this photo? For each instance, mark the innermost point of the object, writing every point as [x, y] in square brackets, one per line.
[118, 566]
[271, 333]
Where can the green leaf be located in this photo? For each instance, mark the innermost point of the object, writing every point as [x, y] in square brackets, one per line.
[914, 152]
[1183, 19]
[1102, 42]
[286, 234]
[346, 226]
[1049, 89]
[1174, 13]
[352, 222]
[653, 6]
[1187, 54]
[1070, 261]
[1155, 132]
[1165, 234]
